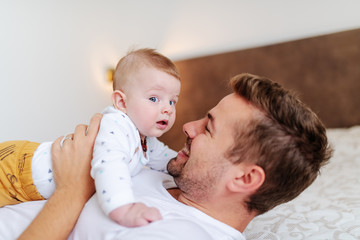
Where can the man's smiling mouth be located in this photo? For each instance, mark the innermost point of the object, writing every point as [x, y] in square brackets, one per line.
[186, 149]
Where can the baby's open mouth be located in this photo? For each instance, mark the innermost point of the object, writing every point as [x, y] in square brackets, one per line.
[162, 124]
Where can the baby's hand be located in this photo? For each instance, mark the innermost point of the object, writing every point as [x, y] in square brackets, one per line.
[135, 215]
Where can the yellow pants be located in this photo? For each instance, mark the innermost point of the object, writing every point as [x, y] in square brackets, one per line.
[16, 182]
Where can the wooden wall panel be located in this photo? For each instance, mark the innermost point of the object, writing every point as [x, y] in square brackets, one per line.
[324, 71]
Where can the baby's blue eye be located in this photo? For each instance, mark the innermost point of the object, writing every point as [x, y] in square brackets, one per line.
[172, 103]
[153, 99]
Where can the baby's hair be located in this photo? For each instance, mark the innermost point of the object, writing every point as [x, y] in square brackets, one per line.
[135, 59]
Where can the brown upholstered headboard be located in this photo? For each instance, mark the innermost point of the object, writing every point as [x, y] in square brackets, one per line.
[324, 71]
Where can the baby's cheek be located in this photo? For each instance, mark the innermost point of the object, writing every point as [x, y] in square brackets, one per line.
[172, 122]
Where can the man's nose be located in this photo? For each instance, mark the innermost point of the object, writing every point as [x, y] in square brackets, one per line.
[192, 129]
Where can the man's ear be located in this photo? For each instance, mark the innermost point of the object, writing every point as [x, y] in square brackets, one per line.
[246, 178]
[118, 98]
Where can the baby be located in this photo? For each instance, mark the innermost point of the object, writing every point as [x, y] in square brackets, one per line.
[146, 89]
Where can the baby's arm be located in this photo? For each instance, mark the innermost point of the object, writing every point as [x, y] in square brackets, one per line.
[113, 150]
[159, 154]
[135, 215]
[110, 164]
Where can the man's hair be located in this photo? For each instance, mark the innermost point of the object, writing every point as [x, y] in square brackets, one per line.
[285, 138]
[135, 59]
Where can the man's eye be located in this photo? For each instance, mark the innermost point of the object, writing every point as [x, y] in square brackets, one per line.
[153, 99]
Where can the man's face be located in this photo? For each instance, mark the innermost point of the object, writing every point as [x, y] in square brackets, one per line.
[201, 165]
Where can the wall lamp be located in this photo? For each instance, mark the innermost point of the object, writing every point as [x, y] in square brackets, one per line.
[110, 74]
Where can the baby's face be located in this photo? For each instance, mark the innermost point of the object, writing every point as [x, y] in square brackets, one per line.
[151, 97]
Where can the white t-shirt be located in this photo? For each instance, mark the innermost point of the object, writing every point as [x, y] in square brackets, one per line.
[179, 221]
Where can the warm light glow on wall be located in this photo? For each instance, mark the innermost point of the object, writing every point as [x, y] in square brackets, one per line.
[102, 61]
[110, 74]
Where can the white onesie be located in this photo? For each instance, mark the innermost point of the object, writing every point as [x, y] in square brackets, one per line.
[118, 156]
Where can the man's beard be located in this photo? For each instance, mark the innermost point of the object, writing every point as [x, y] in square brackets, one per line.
[196, 184]
[174, 168]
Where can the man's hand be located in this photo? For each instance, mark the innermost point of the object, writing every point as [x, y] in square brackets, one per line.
[71, 161]
[135, 215]
[74, 185]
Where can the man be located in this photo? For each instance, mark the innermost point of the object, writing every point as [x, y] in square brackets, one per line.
[258, 148]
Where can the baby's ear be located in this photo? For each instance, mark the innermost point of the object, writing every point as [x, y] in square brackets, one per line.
[119, 100]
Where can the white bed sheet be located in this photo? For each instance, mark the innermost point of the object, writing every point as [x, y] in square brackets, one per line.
[329, 208]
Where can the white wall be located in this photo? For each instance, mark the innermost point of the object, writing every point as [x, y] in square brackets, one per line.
[54, 54]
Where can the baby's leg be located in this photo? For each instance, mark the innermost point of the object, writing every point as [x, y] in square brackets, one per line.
[16, 182]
